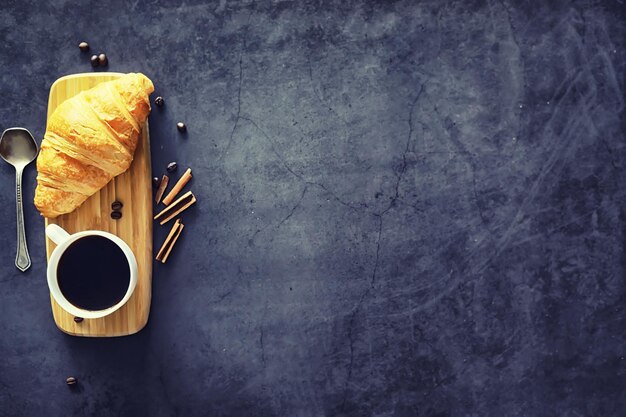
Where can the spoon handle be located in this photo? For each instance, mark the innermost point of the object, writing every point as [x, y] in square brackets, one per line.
[22, 259]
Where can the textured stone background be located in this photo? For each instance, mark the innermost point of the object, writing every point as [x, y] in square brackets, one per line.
[406, 209]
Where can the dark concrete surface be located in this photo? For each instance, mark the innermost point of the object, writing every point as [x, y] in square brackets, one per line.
[405, 209]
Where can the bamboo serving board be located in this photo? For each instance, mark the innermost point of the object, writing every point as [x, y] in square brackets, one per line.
[133, 188]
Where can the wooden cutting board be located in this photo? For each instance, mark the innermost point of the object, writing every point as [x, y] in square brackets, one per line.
[133, 188]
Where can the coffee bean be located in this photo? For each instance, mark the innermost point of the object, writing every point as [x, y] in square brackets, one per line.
[84, 46]
[95, 61]
[171, 167]
[103, 60]
[116, 205]
[181, 127]
[159, 101]
[156, 181]
[78, 319]
[71, 380]
[116, 215]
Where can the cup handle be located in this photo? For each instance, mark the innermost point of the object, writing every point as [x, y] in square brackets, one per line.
[56, 234]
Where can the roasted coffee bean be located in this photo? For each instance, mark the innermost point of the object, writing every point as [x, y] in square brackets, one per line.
[84, 46]
[71, 380]
[78, 319]
[171, 167]
[159, 101]
[95, 61]
[181, 127]
[116, 215]
[156, 181]
[116, 205]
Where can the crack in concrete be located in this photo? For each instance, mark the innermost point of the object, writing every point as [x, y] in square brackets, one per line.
[380, 232]
[273, 148]
[238, 115]
[293, 209]
[262, 335]
[222, 297]
[357, 309]
[351, 346]
[408, 143]
[380, 217]
[301, 177]
[291, 212]
[319, 97]
[360, 206]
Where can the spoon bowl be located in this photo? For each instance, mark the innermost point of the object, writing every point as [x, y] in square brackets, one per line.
[18, 148]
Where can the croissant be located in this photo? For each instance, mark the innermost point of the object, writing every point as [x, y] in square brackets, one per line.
[90, 138]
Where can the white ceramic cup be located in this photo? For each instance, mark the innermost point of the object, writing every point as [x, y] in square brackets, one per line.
[63, 240]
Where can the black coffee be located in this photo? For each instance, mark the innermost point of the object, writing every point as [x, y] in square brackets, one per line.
[93, 273]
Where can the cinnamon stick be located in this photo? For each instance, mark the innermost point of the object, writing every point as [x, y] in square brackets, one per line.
[162, 186]
[182, 181]
[169, 237]
[177, 207]
[170, 241]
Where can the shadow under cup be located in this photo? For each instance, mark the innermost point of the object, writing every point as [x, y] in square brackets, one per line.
[93, 273]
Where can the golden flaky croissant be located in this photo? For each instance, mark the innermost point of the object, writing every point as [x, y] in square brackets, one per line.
[90, 138]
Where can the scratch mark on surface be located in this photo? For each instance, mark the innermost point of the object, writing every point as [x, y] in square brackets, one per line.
[559, 152]
[558, 228]
[431, 302]
[462, 150]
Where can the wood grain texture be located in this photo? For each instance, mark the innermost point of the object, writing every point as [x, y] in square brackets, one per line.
[133, 188]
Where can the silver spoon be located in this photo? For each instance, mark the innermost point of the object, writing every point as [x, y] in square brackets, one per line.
[18, 148]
